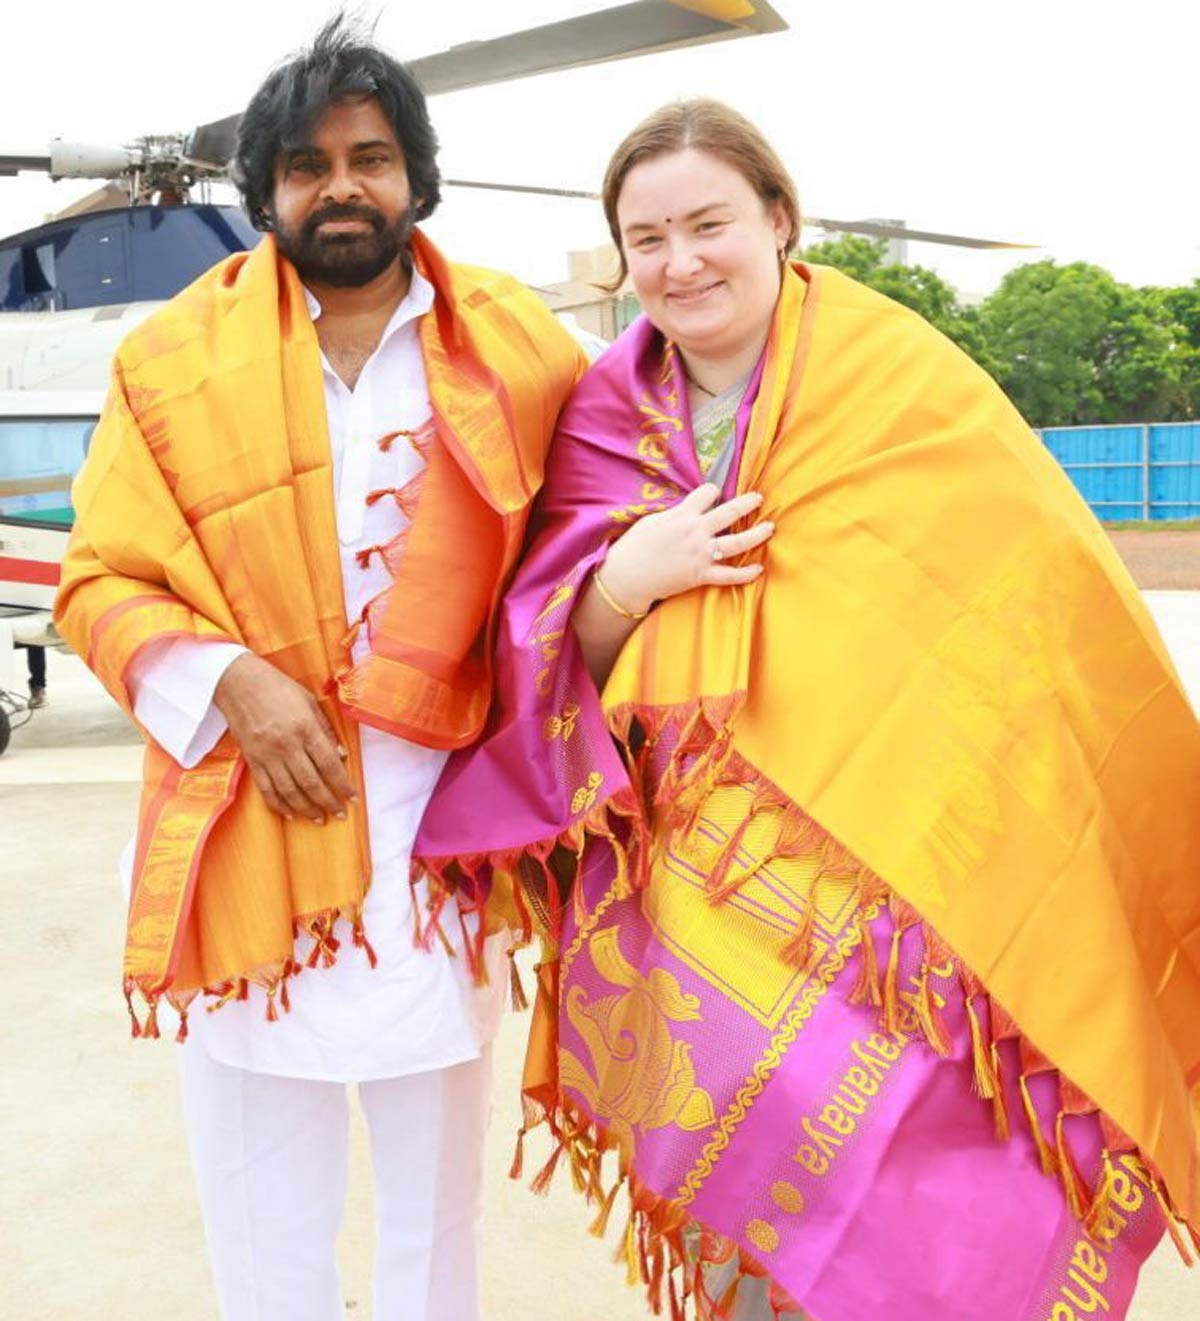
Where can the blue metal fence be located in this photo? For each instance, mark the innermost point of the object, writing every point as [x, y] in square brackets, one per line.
[1137, 471]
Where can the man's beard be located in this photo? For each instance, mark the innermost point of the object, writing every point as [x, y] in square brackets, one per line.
[345, 261]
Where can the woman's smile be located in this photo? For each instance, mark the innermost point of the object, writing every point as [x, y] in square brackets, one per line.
[693, 297]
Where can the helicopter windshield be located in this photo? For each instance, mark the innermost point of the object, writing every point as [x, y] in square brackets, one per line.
[39, 458]
[134, 254]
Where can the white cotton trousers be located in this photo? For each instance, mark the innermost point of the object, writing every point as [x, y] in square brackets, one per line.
[271, 1154]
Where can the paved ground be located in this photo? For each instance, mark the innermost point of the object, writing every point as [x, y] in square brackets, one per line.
[97, 1217]
[1161, 560]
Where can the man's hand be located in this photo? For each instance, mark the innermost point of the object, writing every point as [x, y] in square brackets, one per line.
[288, 744]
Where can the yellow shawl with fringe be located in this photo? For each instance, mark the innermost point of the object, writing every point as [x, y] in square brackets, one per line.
[947, 666]
[205, 510]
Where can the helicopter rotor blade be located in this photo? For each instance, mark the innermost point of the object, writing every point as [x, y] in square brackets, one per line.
[870, 228]
[642, 27]
[638, 28]
[72, 160]
[533, 189]
[882, 230]
[213, 144]
[16, 162]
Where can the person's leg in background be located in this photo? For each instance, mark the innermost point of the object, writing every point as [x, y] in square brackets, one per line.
[36, 660]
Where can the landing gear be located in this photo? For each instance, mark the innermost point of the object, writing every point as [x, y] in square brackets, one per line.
[22, 628]
[5, 723]
[14, 712]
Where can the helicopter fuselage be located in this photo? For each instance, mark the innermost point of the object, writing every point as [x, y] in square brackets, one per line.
[70, 291]
[109, 258]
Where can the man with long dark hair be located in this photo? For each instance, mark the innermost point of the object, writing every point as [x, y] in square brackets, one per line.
[301, 506]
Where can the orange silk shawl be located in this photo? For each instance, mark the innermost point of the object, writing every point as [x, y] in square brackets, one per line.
[205, 510]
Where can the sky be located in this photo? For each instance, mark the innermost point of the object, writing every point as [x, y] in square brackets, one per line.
[1068, 124]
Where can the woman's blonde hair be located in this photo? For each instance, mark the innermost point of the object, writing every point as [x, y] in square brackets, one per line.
[712, 127]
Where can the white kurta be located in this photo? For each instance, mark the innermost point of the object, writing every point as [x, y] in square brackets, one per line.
[415, 1011]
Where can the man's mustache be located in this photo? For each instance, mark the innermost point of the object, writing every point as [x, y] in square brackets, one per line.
[368, 214]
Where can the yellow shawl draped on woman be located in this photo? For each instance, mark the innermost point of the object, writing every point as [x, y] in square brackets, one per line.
[948, 666]
[205, 510]
[944, 703]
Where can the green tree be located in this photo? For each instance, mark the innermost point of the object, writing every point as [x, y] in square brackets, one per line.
[1046, 325]
[1069, 344]
[1152, 373]
[1183, 304]
[860, 258]
[1073, 346]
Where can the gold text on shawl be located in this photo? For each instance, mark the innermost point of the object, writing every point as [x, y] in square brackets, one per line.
[660, 425]
[1082, 1292]
[838, 1120]
[860, 1084]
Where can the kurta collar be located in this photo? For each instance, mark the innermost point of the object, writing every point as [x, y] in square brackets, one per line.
[414, 304]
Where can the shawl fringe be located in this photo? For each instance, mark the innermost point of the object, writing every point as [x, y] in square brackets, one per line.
[274, 978]
[662, 1248]
[523, 890]
[666, 1252]
[701, 758]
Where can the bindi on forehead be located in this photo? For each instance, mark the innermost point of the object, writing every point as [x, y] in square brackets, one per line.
[722, 209]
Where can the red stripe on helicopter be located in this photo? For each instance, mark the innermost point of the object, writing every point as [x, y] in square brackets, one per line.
[39, 572]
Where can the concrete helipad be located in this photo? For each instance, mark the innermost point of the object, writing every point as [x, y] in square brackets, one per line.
[96, 1207]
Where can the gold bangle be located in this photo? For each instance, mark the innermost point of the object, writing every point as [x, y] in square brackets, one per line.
[612, 602]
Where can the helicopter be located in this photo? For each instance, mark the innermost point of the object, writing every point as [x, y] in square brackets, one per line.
[73, 287]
